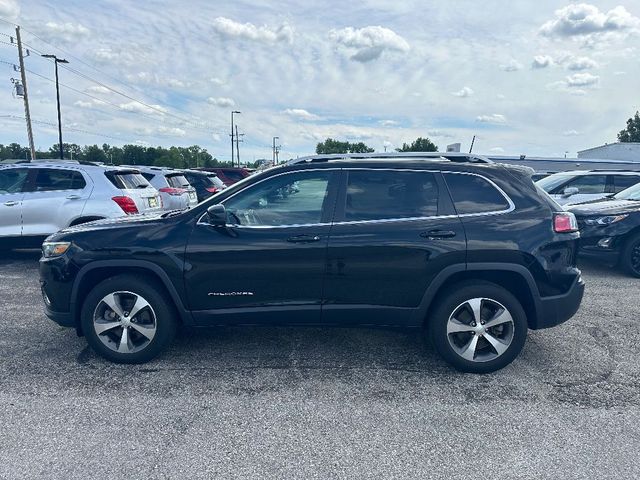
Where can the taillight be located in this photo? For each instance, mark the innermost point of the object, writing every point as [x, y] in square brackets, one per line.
[212, 189]
[173, 191]
[127, 204]
[564, 222]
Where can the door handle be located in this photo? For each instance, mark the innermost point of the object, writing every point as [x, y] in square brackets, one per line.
[304, 239]
[438, 234]
[73, 197]
[10, 203]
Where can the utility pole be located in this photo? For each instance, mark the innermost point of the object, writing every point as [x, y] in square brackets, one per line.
[276, 149]
[23, 75]
[232, 134]
[473, 140]
[237, 145]
[57, 60]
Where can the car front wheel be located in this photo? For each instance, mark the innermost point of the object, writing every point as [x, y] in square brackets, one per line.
[630, 258]
[125, 319]
[480, 327]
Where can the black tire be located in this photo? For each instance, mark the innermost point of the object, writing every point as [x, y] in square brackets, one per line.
[162, 315]
[630, 256]
[486, 358]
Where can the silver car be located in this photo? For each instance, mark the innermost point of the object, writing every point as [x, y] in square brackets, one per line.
[176, 192]
[40, 198]
[585, 185]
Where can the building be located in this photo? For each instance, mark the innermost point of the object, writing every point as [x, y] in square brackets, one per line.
[626, 151]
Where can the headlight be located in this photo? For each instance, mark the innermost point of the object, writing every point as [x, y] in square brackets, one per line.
[54, 249]
[608, 220]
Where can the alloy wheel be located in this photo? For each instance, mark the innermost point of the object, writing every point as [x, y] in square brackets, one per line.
[480, 329]
[124, 322]
[635, 258]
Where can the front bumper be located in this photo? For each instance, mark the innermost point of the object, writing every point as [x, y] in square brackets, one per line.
[552, 311]
[64, 319]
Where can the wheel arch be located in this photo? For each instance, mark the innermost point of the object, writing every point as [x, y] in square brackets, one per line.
[514, 278]
[84, 219]
[95, 272]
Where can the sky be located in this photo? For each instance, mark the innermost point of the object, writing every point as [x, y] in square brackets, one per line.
[544, 78]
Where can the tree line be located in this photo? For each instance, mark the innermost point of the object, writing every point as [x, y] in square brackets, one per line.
[331, 146]
[174, 157]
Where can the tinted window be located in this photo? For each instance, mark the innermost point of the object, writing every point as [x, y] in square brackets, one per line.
[588, 183]
[50, 179]
[197, 180]
[12, 180]
[292, 199]
[622, 182]
[177, 181]
[378, 195]
[235, 175]
[127, 180]
[474, 194]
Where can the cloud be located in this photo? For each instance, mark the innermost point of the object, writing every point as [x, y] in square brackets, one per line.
[171, 131]
[370, 42]
[65, 32]
[9, 9]
[541, 61]
[463, 93]
[140, 108]
[97, 89]
[83, 104]
[496, 150]
[581, 63]
[511, 66]
[571, 133]
[300, 114]
[439, 133]
[583, 19]
[217, 81]
[388, 123]
[582, 80]
[495, 118]
[248, 31]
[221, 102]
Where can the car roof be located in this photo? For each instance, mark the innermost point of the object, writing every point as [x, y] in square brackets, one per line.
[394, 156]
[597, 172]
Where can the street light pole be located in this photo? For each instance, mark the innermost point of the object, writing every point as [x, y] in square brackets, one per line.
[57, 60]
[232, 134]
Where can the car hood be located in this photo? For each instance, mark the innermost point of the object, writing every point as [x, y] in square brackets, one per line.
[128, 221]
[605, 207]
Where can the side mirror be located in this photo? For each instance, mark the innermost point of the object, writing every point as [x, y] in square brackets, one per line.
[217, 215]
[569, 191]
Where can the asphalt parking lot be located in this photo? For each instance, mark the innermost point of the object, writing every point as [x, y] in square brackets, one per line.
[320, 403]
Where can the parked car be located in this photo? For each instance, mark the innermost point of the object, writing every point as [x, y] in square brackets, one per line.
[584, 185]
[468, 250]
[205, 183]
[174, 188]
[610, 229]
[229, 176]
[40, 198]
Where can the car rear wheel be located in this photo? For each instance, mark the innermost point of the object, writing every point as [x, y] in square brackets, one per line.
[480, 327]
[630, 258]
[125, 319]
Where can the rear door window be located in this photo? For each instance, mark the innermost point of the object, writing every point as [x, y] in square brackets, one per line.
[622, 182]
[474, 194]
[12, 180]
[51, 179]
[380, 195]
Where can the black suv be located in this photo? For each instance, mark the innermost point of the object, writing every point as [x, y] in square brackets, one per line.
[468, 249]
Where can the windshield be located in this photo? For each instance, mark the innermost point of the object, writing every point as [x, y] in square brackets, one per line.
[552, 181]
[127, 180]
[177, 181]
[631, 193]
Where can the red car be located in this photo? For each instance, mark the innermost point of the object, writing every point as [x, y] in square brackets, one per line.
[229, 176]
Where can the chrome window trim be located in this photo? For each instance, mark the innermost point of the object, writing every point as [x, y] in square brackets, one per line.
[382, 220]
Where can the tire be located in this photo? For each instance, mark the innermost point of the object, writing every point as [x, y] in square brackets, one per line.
[149, 330]
[630, 256]
[452, 331]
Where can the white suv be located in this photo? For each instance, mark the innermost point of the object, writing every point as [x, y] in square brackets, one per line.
[176, 191]
[584, 185]
[40, 198]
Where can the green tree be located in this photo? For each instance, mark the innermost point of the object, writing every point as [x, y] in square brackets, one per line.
[419, 145]
[93, 153]
[330, 146]
[632, 132]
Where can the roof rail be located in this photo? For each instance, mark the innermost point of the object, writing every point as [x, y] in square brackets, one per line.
[433, 156]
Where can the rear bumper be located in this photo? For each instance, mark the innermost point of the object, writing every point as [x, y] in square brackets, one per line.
[555, 310]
